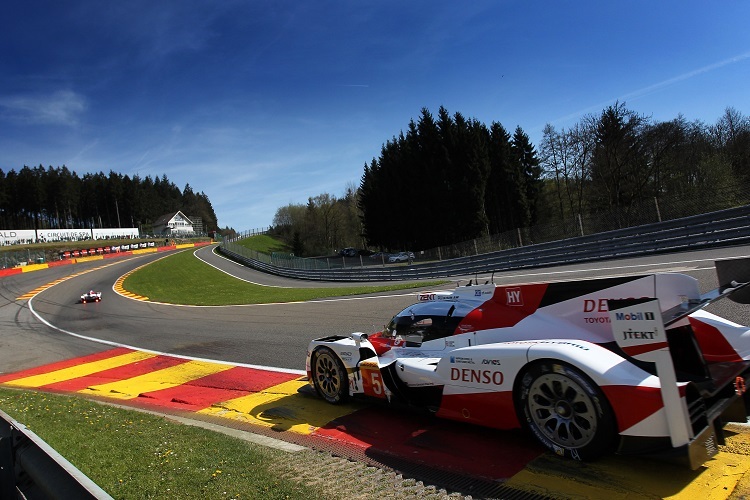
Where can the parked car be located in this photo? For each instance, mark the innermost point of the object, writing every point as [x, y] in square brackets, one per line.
[401, 257]
[348, 252]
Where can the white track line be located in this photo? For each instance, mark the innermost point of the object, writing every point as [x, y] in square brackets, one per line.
[159, 353]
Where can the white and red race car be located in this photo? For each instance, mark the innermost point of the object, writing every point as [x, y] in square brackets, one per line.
[91, 296]
[631, 364]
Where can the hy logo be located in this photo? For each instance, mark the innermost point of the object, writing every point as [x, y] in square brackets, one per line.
[513, 297]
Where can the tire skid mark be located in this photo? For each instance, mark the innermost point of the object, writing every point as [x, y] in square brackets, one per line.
[44, 287]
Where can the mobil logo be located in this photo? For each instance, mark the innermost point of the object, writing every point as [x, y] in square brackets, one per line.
[635, 316]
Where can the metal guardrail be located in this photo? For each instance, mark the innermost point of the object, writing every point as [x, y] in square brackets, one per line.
[722, 228]
[31, 469]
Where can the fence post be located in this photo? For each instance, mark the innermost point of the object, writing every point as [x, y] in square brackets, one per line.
[658, 212]
[580, 224]
[520, 241]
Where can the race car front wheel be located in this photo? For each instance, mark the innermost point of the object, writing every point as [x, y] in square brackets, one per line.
[565, 410]
[329, 376]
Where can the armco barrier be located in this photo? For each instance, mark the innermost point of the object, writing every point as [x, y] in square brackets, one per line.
[30, 468]
[723, 228]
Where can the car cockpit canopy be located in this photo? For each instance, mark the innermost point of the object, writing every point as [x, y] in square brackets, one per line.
[426, 321]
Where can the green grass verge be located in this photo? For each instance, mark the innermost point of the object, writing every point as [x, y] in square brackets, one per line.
[131, 454]
[264, 244]
[183, 279]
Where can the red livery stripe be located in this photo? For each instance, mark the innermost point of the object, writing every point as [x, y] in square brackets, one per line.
[632, 404]
[713, 344]
[635, 350]
[492, 409]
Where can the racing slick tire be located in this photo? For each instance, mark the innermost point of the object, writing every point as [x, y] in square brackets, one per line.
[565, 410]
[329, 376]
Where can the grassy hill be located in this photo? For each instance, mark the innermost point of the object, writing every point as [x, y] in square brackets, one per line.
[264, 243]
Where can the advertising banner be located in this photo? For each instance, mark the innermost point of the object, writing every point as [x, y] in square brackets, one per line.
[27, 236]
[116, 233]
[17, 237]
[54, 235]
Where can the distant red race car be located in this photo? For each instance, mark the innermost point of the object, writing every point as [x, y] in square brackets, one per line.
[91, 296]
[629, 364]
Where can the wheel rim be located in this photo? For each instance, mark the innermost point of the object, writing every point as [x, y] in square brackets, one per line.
[562, 410]
[328, 375]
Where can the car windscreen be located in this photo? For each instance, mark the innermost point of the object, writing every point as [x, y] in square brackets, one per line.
[426, 321]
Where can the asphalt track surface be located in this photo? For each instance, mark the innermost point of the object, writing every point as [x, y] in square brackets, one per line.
[273, 335]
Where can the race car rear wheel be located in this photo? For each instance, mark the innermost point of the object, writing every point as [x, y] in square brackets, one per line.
[329, 376]
[565, 410]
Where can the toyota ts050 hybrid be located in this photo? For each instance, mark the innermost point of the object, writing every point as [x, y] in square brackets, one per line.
[631, 364]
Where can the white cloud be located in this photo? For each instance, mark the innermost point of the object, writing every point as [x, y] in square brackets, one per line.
[63, 107]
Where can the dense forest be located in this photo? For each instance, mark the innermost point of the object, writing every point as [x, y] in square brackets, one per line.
[56, 198]
[443, 181]
[450, 179]
[612, 162]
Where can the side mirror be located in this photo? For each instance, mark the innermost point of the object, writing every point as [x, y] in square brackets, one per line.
[358, 338]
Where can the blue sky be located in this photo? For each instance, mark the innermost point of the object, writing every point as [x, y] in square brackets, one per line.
[264, 103]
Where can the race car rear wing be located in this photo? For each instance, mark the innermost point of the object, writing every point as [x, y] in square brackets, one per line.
[639, 328]
[734, 278]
